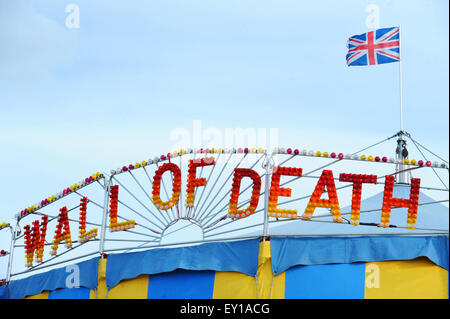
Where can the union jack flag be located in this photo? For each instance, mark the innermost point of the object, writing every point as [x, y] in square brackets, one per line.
[374, 47]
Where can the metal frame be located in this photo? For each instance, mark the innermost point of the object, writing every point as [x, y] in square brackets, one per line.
[204, 215]
[11, 251]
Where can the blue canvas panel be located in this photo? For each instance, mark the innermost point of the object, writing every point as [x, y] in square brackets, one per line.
[240, 256]
[54, 279]
[70, 293]
[181, 284]
[3, 292]
[291, 251]
[332, 281]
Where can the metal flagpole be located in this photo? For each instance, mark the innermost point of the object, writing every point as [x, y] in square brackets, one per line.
[401, 142]
[400, 77]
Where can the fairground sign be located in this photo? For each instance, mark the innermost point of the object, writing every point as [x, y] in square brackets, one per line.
[241, 189]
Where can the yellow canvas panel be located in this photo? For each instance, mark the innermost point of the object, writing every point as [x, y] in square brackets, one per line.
[234, 285]
[264, 275]
[407, 279]
[136, 288]
[269, 287]
[42, 295]
[278, 287]
[101, 292]
[92, 294]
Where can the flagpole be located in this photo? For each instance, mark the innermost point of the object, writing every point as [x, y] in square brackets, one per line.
[400, 78]
[401, 141]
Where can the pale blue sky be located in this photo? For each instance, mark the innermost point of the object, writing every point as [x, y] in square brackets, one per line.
[77, 101]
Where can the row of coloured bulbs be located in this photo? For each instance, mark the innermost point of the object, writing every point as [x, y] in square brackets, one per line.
[115, 226]
[83, 235]
[389, 201]
[83, 209]
[413, 204]
[34, 236]
[113, 204]
[280, 150]
[357, 180]
[60, 235]
[192, 181]
[235, 188]
[64, 192]
[3, 252]
[88, 235]
[3, 225]
[370, 158]
[122, 226]
[176, 189]
[276, 191]
[34, 245]
[181, 152]
[326, 180]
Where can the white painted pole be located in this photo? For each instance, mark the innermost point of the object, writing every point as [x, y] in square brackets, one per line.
[400, 78]
[11, 250]
[402, 176]
[105, 215]
[266, 197]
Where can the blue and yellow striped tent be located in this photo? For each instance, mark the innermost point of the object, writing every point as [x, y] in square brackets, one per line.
[302, 267]
[300, 260]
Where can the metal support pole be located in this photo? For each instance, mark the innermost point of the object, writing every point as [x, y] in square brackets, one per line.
[105, 216]
[268, 167]
[401, 147]
[11, 251]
